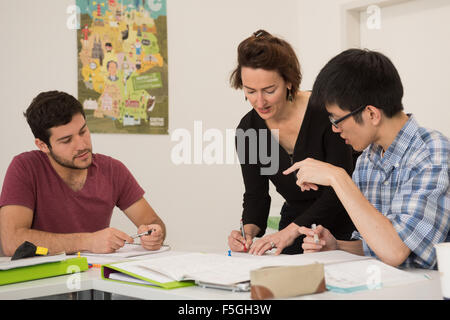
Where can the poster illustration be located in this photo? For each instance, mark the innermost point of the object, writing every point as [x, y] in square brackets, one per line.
[122, 65]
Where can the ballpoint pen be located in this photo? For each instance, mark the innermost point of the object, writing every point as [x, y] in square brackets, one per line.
[149, 232]
[243, 235]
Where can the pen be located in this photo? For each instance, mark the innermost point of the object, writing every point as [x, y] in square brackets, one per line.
[149, 232]
[316, 237]
[243, 235]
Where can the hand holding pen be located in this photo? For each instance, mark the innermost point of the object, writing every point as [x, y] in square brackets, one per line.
[151, 236]
[146, 233]
[239, 241]
[317, 239]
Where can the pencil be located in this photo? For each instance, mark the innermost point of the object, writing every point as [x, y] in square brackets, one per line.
[243, 235]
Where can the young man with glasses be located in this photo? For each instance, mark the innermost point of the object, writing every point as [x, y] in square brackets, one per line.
[399, 198]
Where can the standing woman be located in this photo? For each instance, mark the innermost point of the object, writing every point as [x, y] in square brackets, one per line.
[268, 71]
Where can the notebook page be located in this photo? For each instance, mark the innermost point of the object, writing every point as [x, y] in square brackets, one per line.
[127, 278]
[7, 263]
[334, 256]
[135, 267]
[325, 257]
[128, 250]
[213, 268]
[366, 274]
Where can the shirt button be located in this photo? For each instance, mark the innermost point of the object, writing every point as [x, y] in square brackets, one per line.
[396, 165]
[386, 183]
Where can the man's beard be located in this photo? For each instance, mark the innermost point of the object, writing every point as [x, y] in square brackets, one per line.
[70, 164]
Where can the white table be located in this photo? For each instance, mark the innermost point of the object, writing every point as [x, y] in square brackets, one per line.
[91, 280]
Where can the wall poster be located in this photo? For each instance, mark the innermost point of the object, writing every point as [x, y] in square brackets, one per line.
[122, 65]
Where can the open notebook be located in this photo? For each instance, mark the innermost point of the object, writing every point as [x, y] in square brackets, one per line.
[344, 272]
[171, 271]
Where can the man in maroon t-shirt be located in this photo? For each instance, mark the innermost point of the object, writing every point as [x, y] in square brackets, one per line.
[62, 196]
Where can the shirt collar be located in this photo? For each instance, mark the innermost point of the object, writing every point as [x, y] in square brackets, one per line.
[397, 149]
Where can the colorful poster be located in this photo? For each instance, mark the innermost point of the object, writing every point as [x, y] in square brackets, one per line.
[122, 65]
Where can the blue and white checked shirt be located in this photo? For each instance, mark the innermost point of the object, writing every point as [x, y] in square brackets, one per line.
[410, 186]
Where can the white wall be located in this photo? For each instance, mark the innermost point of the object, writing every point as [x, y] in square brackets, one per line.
[415, 35]
[199, 203]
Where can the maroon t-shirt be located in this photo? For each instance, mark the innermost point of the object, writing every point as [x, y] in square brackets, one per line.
[32, 182]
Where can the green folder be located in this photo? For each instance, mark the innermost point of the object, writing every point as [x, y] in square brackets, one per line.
[43, 270]
[109, 269]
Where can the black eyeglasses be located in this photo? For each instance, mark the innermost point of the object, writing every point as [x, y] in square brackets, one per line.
[336, 122]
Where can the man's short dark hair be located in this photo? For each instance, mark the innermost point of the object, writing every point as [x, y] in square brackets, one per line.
[358, 77]
[51, 109]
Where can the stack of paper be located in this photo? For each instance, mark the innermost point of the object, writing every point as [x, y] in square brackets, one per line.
[6, 263]
[127, 251]
[344, 272]
[366, 275]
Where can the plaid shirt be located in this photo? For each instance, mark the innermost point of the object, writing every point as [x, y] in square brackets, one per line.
[410, 186]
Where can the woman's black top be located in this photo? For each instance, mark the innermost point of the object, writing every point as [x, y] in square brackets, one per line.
[315, 140]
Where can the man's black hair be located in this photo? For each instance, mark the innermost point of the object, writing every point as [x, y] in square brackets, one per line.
[358, 77]
[51, 109]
